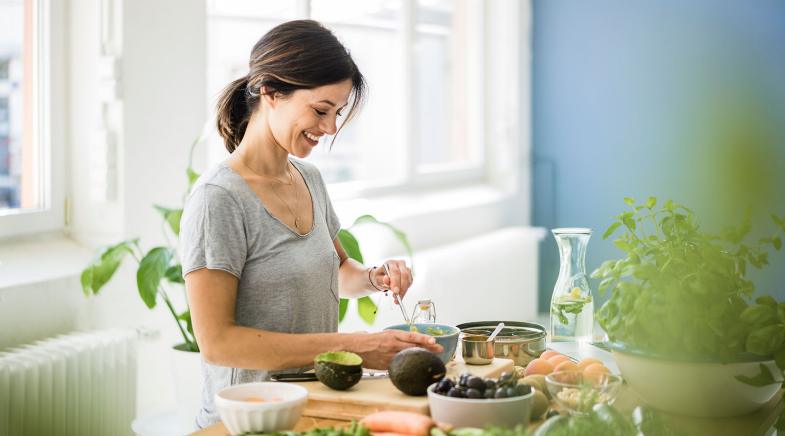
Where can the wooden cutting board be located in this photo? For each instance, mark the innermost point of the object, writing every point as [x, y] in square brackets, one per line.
[378, 393]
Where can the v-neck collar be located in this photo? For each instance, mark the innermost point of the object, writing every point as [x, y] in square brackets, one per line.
[250, 191]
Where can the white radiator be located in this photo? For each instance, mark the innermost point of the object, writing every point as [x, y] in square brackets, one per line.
[79, 384]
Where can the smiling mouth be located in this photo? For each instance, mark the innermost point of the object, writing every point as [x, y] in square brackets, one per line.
[312, 139]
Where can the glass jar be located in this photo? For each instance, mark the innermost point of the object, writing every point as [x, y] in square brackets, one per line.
[572, 303]
[424, 312]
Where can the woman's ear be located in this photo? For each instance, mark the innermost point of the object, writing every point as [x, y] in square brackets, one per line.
[268, 96]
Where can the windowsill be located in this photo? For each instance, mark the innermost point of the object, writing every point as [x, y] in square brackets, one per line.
[40, 258]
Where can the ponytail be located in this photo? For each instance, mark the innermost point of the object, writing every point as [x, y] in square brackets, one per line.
[233, 112]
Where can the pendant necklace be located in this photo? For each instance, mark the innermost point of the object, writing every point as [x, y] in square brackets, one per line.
[297, 222]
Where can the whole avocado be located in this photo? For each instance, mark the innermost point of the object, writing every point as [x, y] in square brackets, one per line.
[414, 369]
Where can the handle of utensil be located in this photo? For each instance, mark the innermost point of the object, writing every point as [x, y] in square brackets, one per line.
[395, 296]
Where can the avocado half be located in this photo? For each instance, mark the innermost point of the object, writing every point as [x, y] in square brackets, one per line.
[414, 369]
[339, 370]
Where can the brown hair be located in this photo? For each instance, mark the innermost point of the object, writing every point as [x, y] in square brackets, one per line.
[299, 54]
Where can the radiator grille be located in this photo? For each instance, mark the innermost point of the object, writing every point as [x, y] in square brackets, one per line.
[77, 384]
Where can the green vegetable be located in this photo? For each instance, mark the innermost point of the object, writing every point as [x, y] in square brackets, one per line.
[682, 291]
[354, 429]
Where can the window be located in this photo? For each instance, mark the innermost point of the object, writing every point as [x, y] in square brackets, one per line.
[30, 194]
[423, 62]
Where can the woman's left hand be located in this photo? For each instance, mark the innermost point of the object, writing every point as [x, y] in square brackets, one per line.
[399, 279]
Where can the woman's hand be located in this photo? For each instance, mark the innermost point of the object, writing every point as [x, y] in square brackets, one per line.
[399, 279]
[377, 349]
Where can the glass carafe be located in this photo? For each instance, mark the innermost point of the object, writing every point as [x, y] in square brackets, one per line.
[424, 312]
[572, 303]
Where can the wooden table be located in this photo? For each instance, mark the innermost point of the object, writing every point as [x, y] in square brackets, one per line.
[754, 424]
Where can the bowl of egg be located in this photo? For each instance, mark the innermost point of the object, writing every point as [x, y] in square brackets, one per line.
[260, 407]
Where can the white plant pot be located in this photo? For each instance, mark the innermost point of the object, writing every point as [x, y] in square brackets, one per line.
[187, 375]
[708, 390]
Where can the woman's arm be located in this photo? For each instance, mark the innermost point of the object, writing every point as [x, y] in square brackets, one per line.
[354, 278]
[212, 296]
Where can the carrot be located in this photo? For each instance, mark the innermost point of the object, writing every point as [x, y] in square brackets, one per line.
[406, 423]
[378, 433]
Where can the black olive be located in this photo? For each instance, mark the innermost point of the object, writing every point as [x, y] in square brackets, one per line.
[490, 384]
[500, 393]
[505, 378]
[456, 393]
[523, 389]
[489, 393]
[476, 383]
[552, 413]
[473, 393]
[445, 385]
[463, 380]
[512, 392]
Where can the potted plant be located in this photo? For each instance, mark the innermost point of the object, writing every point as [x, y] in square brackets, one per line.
[683, 326]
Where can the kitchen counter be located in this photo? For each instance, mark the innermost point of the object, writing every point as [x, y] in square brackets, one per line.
[754, 424]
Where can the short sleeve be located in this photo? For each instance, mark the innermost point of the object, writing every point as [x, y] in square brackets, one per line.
[212, 232]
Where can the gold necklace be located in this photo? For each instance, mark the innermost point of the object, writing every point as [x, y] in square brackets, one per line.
[291, 183]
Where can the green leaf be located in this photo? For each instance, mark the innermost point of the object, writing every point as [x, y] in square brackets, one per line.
[343, 305]
[780, 424]
[759, 314]
[651, 202]
[175, 274]
[186, 316]
[623, 245]
[612, 228]
[629, 201]
[172, 217]
[366, 308]
[103, 267]
[764, 378]
[779, 358]
[765, 340]
[193, 176]
[152, 269]
[776, 242]
[400, 235]
[350, 245]
[766, 300]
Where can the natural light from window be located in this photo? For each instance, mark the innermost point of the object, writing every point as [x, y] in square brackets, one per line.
[420, 116]
[18, 187]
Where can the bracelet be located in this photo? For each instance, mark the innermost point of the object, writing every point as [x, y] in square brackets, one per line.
[370, 270]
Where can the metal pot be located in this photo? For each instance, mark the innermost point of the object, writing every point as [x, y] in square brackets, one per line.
[520, 341]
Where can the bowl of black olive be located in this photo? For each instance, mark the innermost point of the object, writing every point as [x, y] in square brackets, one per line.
[472, 401]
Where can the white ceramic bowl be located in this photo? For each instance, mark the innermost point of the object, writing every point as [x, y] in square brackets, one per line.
[480, 413]
[283, 405]
[696, 389]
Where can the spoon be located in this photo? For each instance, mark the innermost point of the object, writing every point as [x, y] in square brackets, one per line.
[495, 332]
[395, 297]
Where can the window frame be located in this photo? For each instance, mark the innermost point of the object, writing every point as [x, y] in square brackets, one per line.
[414, 179]
[48, 117]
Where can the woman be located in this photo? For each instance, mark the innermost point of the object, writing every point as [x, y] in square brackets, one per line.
[263, 267]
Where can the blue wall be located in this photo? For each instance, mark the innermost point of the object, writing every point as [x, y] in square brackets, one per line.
[672, 98]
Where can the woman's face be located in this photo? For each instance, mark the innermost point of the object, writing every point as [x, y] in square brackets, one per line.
[299, 120]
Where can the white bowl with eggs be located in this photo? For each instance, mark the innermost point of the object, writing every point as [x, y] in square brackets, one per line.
[260, 407]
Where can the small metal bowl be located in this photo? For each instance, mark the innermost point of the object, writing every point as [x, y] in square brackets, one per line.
[520, 341]
[476, 350]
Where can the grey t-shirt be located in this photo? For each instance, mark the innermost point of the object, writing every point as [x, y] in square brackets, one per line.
[287, 282]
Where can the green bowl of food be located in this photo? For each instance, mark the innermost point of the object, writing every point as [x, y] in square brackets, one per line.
[445, 335]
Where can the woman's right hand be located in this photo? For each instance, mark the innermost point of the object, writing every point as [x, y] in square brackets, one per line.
[378, 349]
